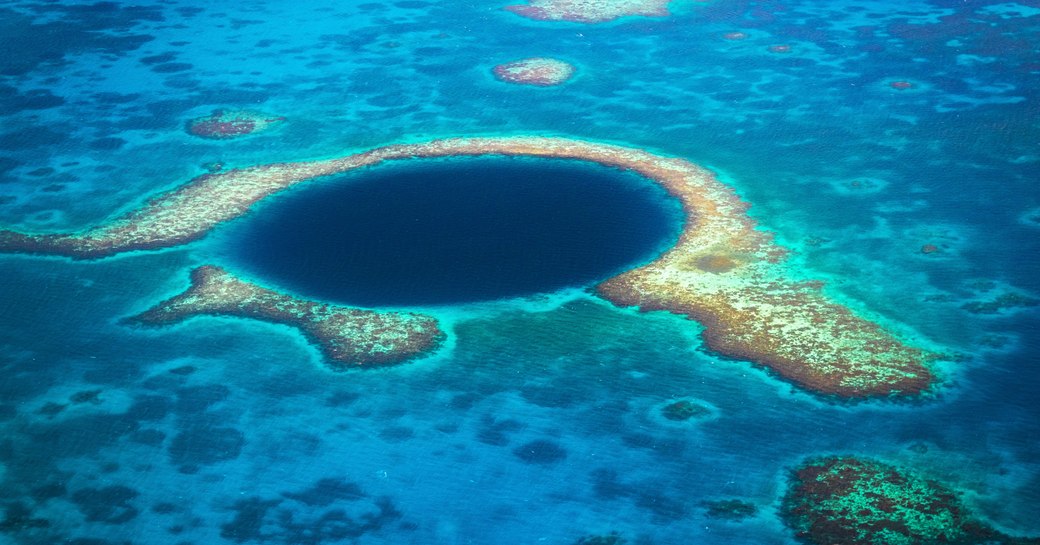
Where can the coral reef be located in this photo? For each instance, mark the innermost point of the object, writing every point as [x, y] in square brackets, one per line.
[852, 501]
[347, 336]
[540, 452]
[1001, 303]
[683, 410]
[589, 11]
[333, 510]
[723, 272]
[223, 125]
[539, 71]
[735, 510]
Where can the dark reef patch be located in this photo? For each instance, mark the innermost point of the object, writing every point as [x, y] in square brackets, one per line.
[613, 538]
[18, 518]
[30, 138]
[326, 492]
[649, 495]
[341, 398]
[197, 399]
[455, 230]
[200, 445]
[329, 511]
[103, 26]
[115, 98]
[49, 491]
[83, 435]
[148, 437]
[248, 520]
[732, 509]
[12, 101]
[171, 67]
[7, 411]
[8, 164]
[108, 143]
[496, 432]
[396, 434]
[149, 408]
[683, 410]
[160, 58]
[540, 452]
[110, 504]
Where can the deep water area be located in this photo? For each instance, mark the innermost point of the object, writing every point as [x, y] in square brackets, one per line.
[891, 147]
[452, 231]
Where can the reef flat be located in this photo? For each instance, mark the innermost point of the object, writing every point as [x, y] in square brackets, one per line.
[723, 272]
[862, 502]
[589, 11]
[347, 336]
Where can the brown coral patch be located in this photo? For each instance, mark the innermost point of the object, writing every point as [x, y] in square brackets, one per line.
[348, 337]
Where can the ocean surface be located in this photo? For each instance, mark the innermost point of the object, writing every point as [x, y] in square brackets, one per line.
[894, 147]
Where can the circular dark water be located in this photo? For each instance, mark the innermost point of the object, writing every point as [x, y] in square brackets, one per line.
[441, 231]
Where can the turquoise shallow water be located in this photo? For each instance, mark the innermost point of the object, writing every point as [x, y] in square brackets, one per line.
[539, 421]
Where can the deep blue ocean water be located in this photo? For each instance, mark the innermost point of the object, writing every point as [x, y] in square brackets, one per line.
[442, 232]
[537, 422]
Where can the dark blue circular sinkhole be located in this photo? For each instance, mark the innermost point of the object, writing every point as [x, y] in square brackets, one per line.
[421, 232]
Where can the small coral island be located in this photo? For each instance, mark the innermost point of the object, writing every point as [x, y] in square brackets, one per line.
[723, 272]
[346, 336]
[224, 125]
[589, 11]
[539, 71]
[852, 501]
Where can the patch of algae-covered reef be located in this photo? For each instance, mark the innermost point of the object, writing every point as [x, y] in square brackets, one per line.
[854, 501]
[722, 272]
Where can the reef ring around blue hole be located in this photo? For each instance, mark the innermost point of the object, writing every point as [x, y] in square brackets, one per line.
[426, 232]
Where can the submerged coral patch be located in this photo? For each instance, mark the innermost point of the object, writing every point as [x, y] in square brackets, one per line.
[999, 304]
[540, 71]
[730, 509]
[540, 452]
[682, 412]
[613, 538]
[333, 510]
[225, 125]
[853, 501]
